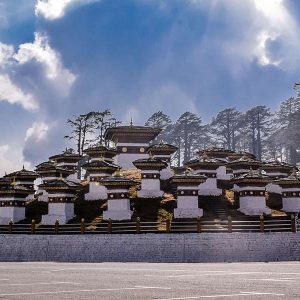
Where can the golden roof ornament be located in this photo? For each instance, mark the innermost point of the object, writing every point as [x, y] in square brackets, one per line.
[131, 122]
[117, 173]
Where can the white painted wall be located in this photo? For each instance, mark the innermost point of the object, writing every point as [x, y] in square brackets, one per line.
[96, 192]
[209, 188]
[14, 214]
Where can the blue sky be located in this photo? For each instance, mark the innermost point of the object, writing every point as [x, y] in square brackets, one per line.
[64, 57]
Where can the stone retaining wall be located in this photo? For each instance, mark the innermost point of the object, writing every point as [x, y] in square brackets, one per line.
[189, 247]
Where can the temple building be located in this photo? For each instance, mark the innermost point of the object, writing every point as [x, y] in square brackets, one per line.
[131, 142]
[210, 168]
[98, 153]
[12, 202]
[118, 202]
[67, 160]
[217, 153]
[62, 194]
[290, 187]
[251, 189]
[187, 194]
[23, 178]
[49, 171]
[243, 165]
[163, 152]
[97, 170]
[276, 170]
[150, 176]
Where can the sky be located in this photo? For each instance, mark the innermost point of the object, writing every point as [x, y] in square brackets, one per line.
[60, 58]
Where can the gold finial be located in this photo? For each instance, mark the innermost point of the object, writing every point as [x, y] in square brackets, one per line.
[23, 168]
[117, 173]
[151, 156]
[14, 181]
[131, 122]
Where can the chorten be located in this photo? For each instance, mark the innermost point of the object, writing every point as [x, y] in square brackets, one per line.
[163, 152]
[24, 178]
[210, 168]
[187, 194]
[62, 193]
[68, 160]
[150, 176]
[251, 189]
[243, 165]
[97, 153]
[131, 142]
[12, 202]
[290, 192]
[217, 153]
[118, 203]
[97, 170]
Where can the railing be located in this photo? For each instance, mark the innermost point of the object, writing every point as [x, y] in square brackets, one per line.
[274, 224]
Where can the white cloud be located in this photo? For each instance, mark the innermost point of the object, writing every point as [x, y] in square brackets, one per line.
[37, 132]
[11, 159]
[53, 9]
[10, 93]
[41, 52]
[6, 53]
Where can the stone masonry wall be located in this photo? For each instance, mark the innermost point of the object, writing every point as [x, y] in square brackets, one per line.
[189, 247]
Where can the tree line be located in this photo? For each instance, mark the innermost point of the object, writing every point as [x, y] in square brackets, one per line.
[269, 135]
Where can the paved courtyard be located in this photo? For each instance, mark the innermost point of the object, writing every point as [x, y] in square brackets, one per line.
[150, 281]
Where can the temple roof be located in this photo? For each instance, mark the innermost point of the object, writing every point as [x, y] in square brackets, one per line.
[67, 154]
[294, 178]
[117, 180]
[253, 176]
[13, 188]
[60, 183]
[100, 165]
[245, 160]
[98, 151]
[23, 173]
[276, 164]
[162, 148]
[216, 151]
[52, 167]
[237, 155]
[131, 133]
[188, 177]
[149, 163]
[204, 160]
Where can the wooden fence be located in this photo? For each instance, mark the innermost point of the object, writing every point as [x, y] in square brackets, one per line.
[261, 224]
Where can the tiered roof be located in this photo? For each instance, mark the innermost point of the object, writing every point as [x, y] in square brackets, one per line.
[117, 181]
[188, 178]
[131, 134]
[277, 166]
[150, 163]
[66, 156]
[23, 174]
[100, 151]
[253, 176]
[245, 161]
[61, 185]
[204, 162]
[100, 165]
[293, 180]
[49, 168]
[162, 149]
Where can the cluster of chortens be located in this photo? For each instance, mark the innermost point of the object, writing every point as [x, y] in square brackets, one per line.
[210, 175]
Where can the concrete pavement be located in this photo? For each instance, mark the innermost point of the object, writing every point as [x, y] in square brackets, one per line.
[150, 281]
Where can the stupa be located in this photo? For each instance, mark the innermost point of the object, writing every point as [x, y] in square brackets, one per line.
[163, 152]
[150, 176]
[131, 142]
[251, 189]
[118, 203]
[187, 194]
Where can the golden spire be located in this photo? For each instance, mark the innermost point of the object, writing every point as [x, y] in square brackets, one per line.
[117, 173]
[131, 122]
